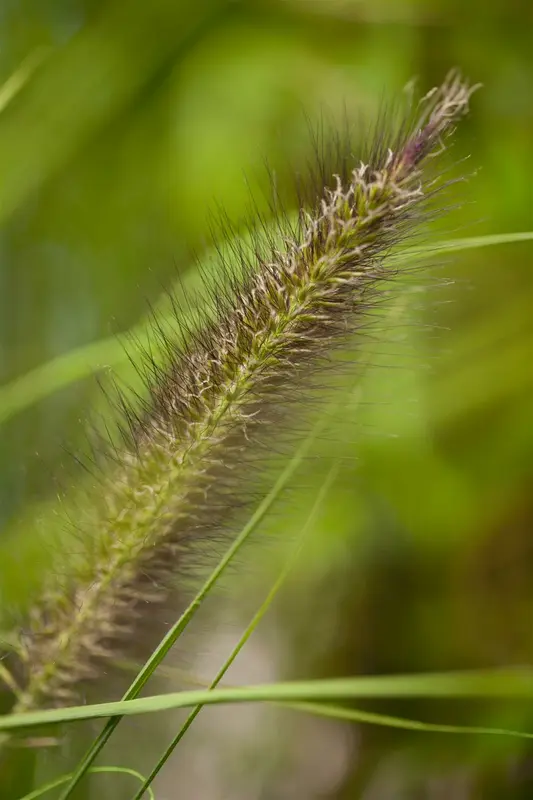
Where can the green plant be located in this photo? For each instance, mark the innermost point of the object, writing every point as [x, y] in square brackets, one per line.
[305, 289]
[311, 284]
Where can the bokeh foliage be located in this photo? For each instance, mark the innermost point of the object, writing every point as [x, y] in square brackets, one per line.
[131, 124]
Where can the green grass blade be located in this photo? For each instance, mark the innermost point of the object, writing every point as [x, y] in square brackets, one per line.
[468, 243]
[57, 374]
[18, 79]
[367, 717]
[496, 684]
[95, 770]
[80, 363]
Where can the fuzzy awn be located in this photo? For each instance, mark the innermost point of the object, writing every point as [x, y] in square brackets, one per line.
[304, 291]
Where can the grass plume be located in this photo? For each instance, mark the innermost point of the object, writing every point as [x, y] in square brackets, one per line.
[307, 286]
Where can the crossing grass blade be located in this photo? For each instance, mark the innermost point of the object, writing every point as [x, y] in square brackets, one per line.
[491, 684]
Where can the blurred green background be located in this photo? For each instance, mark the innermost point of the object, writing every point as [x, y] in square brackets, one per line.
[123, 127]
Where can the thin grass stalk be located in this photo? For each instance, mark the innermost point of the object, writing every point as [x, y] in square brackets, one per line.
[258, 616]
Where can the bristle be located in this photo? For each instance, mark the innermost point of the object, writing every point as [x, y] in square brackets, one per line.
[302, 287]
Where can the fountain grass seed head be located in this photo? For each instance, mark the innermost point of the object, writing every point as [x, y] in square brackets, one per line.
[306, 285]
